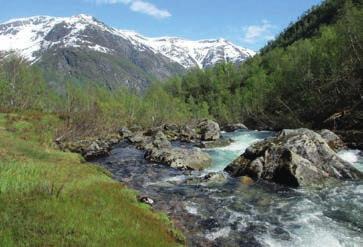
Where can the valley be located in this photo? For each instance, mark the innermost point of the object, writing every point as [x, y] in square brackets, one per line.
[109, 137]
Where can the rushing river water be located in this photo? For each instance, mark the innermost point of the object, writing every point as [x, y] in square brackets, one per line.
[231, 213]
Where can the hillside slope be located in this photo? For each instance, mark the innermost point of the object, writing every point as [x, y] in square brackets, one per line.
[309, 23]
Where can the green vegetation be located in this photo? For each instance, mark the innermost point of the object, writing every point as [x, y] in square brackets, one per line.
[312, 71]
[86, 110]
[308, 25]
[52, 198]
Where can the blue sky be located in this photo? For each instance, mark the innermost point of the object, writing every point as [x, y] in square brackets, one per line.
[249, 23]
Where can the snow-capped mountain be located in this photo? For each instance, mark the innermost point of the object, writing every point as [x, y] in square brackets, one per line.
[83, 47]
[29, 36]
[189, 53]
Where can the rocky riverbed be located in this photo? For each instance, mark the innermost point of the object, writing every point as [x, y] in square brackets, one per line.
[214, 209]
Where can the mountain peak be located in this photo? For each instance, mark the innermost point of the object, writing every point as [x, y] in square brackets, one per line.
[85, 17]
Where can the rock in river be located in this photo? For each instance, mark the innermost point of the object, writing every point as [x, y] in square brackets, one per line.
[209, 130]
[297, 157]
[159, 149]
[180, 158]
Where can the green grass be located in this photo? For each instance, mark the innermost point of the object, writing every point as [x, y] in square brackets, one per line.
[52, 198]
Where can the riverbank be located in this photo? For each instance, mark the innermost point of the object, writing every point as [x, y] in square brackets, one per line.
[49, 197]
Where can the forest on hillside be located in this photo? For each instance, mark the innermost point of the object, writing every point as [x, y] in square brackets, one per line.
[312, 71]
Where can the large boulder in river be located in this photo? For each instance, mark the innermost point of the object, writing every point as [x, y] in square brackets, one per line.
[180, 158]
[209, 130]
[295, 158]
[330, 137]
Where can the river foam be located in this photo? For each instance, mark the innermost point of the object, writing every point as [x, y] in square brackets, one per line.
[353, 156]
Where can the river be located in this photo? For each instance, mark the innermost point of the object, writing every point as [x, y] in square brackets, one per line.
[232, 213]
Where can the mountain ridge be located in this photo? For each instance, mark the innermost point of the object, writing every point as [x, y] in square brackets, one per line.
[192, 53]
[163, 45]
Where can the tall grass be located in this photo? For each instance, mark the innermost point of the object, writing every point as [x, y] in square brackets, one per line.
[51, 198]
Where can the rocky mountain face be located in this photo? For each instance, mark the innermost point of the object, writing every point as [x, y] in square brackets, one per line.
[82, 48]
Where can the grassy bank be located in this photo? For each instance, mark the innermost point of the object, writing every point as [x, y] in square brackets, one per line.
[52, 198]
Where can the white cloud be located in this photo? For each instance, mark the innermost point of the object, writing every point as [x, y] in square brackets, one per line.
[255, 33]
[140, 6]
[149, 9]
